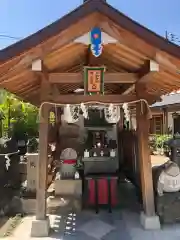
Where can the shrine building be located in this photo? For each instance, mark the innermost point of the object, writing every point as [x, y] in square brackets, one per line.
[94, 55]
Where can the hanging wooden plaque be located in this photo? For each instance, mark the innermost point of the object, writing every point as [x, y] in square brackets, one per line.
[94, 80]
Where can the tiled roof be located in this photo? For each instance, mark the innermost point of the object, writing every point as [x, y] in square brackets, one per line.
[172, 98]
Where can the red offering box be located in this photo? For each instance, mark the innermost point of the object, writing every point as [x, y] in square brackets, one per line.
[103, 191]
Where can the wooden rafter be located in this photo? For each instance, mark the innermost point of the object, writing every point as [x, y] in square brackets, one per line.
[28, 89]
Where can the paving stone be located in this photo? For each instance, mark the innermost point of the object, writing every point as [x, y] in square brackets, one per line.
[118, 233]
[84, 217]
[119, 225]
[77, 236]
[96, 228]
[131, 219]
[175, 228]
[166, 233]
[110, 218]
[140, 234]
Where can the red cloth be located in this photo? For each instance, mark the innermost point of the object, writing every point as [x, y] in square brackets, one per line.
[69, 161]
[103, 191]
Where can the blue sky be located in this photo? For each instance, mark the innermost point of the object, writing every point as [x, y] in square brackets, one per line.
[21, 18]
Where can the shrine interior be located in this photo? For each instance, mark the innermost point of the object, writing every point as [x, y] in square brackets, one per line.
[95, 145]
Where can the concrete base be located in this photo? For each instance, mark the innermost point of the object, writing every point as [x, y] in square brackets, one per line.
[150, 222]
[40, 228]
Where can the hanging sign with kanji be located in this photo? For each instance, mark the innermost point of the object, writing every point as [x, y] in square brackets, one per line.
[94, 80]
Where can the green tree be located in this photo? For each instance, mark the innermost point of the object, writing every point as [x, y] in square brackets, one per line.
[16, 116]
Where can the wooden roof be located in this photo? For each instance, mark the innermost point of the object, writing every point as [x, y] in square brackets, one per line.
[56, 47]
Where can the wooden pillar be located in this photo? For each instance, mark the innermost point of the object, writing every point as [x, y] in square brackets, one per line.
[42, 164]
[144, 159]
[58, 123]
[43, 151]
[121, 121]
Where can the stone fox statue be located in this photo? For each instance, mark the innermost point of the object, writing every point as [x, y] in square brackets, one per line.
[169, 178]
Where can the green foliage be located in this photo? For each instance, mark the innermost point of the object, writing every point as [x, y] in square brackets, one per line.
[32, 145]
[17, 117]
[159, 142]
[161, 139]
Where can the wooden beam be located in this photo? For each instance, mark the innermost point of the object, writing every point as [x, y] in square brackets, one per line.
[37, 65]
[146, 72]
[42, 164]
[40, 70]
[143, 94]
[144, 159]
[43, 151]
[76, 99]
[78, 77]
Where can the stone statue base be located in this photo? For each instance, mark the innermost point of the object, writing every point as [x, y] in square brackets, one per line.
[168, 207]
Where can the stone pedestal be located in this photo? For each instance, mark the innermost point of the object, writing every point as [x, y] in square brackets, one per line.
[68, 187]
[28, 206]
[40, 228]
[150, 222]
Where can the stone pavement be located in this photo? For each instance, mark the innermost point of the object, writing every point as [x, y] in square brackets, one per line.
[121, 224]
